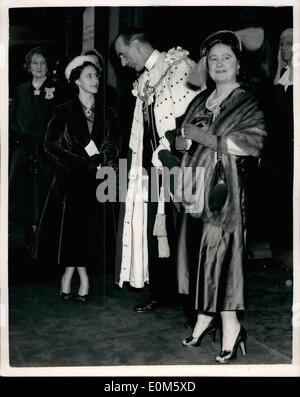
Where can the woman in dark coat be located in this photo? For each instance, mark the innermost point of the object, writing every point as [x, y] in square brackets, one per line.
[80, 138]
[30, 170]
[228, 118]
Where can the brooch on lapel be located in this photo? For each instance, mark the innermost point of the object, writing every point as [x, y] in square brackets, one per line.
[49, 92]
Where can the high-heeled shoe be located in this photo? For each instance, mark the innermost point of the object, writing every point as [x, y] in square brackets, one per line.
[82, 298]
[211, 330]
[66, 297]
[226, 355]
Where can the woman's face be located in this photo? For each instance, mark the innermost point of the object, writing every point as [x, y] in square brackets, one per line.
[222, 64]
[38, 66]
[88, 80]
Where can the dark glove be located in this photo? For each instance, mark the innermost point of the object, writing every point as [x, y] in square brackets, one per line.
[87, 163]
[171, 135]
[94, 161]
[168, 159]
[181, 143]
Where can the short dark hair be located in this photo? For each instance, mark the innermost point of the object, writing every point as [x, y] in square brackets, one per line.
[35, 51]
[134, 33]
[76, 72]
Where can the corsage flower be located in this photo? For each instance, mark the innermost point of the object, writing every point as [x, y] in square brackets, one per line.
[49, 92]
[175, 54]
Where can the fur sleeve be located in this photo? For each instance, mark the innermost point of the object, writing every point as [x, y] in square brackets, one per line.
[243, 122]
[249, 133]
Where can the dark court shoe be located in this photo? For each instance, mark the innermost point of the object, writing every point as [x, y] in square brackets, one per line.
[66, 297]
[82, 298]
[145, 307]
[196, 341]
[225, 356]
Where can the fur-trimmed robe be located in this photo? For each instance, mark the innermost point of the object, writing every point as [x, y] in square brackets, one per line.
[219, 278]
[173, 95]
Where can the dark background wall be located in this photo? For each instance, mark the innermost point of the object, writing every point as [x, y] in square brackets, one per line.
[57, 29]
[60, 29]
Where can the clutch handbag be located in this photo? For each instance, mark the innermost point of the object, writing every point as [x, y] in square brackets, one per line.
[218, 191]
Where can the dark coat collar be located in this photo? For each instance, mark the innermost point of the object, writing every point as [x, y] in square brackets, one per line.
[47, 83]
[79, 123]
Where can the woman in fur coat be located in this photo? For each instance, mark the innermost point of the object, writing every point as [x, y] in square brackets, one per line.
[82, 136]
[229, 118]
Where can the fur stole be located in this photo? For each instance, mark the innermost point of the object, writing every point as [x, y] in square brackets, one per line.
[242, 120]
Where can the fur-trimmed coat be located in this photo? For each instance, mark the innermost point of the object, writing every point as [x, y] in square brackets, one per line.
[217, 263]
[69, 227]
[241, 120]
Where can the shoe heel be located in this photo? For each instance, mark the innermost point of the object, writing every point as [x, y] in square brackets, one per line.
[66, 297]
[243, 348]
[82, 298]
[213, 335]
[240, 342]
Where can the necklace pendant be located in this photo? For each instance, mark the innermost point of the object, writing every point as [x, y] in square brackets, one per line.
[36, 92]
[88, 112]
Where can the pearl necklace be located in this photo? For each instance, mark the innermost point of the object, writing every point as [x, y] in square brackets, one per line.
[213, 104]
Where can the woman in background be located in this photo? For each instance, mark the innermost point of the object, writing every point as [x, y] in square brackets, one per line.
[30, 170]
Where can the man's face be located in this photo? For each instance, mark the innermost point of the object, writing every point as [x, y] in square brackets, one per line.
[129, 55]
[286, 47]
